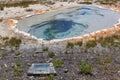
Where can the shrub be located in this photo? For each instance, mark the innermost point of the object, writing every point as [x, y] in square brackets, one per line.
[107, 60]
[107, 41]
[79, 43]
[102, 42]
[91, 43]
[18, 64]
[51, 54]
[57, 63]
[14, 42]
[18, 72]
[86, 68]
[50, 78]
[45, 49]
[70, 45]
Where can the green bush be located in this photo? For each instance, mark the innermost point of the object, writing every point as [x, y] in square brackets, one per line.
[50, 78]
[18, 64]
[18, 72]
[70, 45]
[57, 63]
[79, 43]
[86, 68]
[109, 41]
[103, 42]
[91, 43]
[51, 54]
[107, 60]
[45, 49]
[13, 42]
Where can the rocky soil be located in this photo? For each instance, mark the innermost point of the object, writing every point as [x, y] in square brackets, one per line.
[105, 61]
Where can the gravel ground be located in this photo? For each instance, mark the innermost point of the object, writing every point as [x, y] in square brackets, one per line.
[70, 56]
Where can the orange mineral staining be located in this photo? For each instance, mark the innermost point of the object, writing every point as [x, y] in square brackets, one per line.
[11, 23]
[39, 11]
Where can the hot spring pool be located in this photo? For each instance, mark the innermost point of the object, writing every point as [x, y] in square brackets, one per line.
[68, 23]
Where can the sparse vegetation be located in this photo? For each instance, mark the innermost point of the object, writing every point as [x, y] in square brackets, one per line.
[113, 40]
[91, 43]
[18, 70]
[16, 4]
[107, 60]
[45, 48]
[86, 68]
[79, 43]
[57, 63]
[14, 42]
[18, 64]
[50, 77]
[51, 54]
[70, 45]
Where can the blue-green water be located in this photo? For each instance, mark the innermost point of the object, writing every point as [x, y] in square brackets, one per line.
[79, 21]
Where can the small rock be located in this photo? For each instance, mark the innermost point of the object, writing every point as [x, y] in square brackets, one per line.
[119, 73]
[22, 56]
[34, 55]
[117, 59]
[5, 65]
[65, 70]
[28, 64]
[61, 78]
[39, 51]
[50, 59]
[31, 77]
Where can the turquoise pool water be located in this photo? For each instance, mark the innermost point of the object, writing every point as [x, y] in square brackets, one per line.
[41, 68]
[74, 22]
